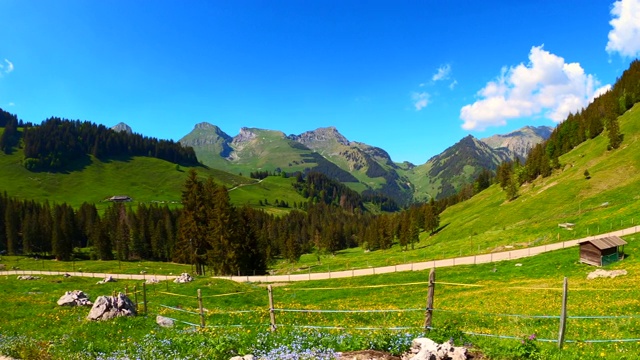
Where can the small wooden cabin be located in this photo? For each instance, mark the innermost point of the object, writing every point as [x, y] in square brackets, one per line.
[602, 251]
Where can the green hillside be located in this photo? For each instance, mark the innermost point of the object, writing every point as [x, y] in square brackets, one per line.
[144, 179]
[487, 222]
[606, 201]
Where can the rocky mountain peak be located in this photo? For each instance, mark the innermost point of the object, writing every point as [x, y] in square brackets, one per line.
[122, 127]
[321, 135]
[521, 140]
[245, 135]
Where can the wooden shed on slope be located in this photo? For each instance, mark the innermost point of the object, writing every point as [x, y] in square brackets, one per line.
[602, 251]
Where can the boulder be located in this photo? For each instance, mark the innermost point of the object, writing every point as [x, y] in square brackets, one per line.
[74, 298]
[108, 307]
[427, 349]
[183, 278]
[106, 280]
[164, 321]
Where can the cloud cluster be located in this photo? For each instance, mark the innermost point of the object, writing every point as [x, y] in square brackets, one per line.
[624, 38]
[547, 86]
[422, 99]
[442, 73]
[6, 68]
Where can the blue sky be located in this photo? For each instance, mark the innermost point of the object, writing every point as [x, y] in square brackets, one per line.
[411, 77]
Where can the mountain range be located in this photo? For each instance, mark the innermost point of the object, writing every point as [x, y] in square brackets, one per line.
[362, 167]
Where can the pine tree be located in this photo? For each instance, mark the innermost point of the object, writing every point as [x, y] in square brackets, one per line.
[12, 226]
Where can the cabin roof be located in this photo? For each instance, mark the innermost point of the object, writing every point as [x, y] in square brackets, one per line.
[606, 242]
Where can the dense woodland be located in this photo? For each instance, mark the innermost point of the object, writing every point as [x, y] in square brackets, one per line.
[58, 143]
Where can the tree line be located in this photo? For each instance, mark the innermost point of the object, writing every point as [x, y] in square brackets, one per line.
[602, 114]
[208, 231]
[57, 143]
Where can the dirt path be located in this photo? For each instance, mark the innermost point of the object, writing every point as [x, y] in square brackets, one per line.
[465, 260]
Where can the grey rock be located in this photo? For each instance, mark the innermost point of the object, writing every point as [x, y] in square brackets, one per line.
[74, 298]
[183, 278]
[106, 280]
[108, 307]
[28, 277]
[164, 321]
[427, 349]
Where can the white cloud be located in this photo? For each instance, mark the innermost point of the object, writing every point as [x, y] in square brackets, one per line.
[8, 68]
[547, 86]
[442, 73]
[624, 38]
[420, 100]
[453, 84]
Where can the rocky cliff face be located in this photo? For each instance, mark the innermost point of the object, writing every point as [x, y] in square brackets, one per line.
[520, 141]
[320, 137]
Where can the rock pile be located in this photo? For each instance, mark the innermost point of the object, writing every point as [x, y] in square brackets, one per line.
[106, 280]
[108, 307]
[183, 278]
[427, 349]
[74, 298]
[152, 281]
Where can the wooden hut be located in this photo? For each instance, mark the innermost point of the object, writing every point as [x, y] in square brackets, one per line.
[602, 251]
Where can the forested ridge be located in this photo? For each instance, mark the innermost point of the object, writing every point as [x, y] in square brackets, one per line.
[57, 143]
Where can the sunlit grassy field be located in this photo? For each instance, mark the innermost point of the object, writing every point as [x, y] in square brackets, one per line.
[474, 304]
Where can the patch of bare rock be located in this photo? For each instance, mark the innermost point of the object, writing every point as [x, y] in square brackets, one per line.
[598, 273]
[28, 277]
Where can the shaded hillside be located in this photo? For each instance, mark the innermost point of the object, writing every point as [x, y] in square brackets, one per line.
[445, 174]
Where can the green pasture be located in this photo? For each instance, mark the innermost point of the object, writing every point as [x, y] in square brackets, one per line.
[474, 304]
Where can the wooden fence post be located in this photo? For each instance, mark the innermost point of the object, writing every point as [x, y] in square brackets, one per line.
[430, 294]
[201, 309]
[144, 297]
[135, 295]
[563, 314]
[272, 313]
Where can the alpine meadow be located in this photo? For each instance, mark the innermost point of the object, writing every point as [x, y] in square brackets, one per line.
[147, 240]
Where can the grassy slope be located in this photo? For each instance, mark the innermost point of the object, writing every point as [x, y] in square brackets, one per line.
[487, 222]
[271, 188]
[502, 288]
[142, 178]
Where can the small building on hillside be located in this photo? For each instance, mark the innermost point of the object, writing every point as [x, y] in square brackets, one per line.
[120, 198]
[602, 251]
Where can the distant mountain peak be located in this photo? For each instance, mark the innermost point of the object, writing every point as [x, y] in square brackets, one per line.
[520, 141]
[321, 135]
[122, 127]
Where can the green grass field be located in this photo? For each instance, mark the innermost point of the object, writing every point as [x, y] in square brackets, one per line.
[501, 299]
